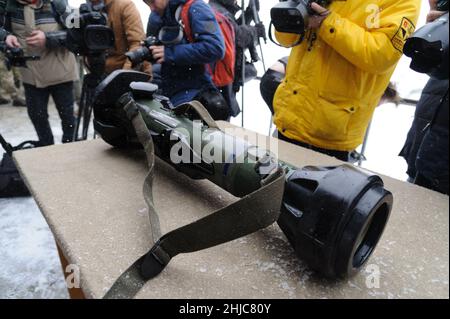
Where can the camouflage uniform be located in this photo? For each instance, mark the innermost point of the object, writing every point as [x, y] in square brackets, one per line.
[8, 81]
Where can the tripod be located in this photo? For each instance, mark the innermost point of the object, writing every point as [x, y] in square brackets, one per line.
[96, 66]
[253, 51]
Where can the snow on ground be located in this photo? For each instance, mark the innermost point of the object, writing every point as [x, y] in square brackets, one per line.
[29, 264]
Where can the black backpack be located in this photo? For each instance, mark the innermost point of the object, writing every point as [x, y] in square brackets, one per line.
[11, 184]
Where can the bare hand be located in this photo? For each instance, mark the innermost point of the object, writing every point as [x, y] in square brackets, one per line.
[433, 15]
[37, 39]
[12, 42]
[158, 53]
[315, 21]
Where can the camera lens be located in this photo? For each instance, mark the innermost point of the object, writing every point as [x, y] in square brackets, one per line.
[98, 38]
[290, 17]
[140, 55]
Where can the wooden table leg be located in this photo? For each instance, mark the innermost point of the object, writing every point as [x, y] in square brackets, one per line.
[75, 293]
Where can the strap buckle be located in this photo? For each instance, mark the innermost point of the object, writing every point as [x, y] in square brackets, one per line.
[154, 262]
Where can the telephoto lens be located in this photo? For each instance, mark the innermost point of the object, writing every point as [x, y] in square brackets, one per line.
[143, 53]
[139, 55]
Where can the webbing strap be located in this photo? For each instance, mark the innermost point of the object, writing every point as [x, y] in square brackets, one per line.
[10, 149]
[6, 146]
[145, 139]
[249, 214]
[201, 111]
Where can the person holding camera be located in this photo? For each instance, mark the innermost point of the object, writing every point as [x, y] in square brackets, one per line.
[125, 21]
[32, 26]
[336, 76]
[10, 81]
[426, 146]
[184, 75]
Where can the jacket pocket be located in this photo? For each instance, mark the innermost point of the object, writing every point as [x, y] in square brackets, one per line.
[280, 96]
[282, 100]
[332, 117]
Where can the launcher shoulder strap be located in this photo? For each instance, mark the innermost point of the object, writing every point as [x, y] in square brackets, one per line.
[201, 111]
[251, 213]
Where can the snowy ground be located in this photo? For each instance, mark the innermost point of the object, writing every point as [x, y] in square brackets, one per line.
[29, 264]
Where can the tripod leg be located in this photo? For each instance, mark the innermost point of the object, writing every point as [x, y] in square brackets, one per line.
[87, 117]
[364, 146]
[81, 111]
[262, 56]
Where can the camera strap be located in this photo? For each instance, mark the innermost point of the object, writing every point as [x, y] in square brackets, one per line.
[251, 213]
[172, 35]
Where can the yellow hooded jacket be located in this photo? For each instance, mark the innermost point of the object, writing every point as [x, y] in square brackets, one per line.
[331, 90]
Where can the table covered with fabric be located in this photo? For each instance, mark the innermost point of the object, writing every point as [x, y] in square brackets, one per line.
[91, 196]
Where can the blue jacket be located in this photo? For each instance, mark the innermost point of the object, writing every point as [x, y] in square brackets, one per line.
[183, 73]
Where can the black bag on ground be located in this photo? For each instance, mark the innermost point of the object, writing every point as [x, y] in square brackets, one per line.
[11, 184]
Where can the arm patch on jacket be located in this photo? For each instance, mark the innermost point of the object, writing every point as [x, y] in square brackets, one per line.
[403, 33]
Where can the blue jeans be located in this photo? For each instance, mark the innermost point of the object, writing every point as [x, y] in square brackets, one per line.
[37, 104]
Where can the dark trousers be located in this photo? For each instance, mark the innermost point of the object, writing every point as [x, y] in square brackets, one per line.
[269, 85]
[230, 97]
[341, 155]
[432, 160]
[37, 104]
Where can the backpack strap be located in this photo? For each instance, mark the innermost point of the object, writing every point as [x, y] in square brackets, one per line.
[185, 20]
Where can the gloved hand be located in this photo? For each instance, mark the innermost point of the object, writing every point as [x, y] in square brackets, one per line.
[248, 13]
[260, 30]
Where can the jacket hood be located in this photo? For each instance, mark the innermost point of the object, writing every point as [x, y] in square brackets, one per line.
[169, 14]
[173, 5]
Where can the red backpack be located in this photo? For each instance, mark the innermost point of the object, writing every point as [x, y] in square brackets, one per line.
[222, 71]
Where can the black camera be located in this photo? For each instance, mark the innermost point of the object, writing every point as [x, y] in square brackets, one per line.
[15, 56]
[291, 16]
[428, 48]
[143, 53]
[92, 36]
[442, 5]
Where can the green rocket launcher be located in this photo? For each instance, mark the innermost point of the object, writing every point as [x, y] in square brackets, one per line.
[332, 216]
